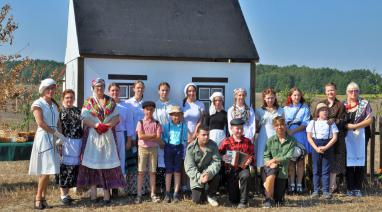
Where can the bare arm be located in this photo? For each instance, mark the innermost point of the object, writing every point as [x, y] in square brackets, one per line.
[331, 142]
[362, 124]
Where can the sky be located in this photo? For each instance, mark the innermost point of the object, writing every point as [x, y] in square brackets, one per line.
[341, 34]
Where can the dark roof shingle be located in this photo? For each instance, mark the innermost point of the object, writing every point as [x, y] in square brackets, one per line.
[207, 29]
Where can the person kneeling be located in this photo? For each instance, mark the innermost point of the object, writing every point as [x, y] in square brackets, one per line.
[237, 174]
[278, 151]
[202, 165]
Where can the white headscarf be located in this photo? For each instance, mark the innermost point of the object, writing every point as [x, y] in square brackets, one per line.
[45, 84]
[212, 109]
[186, 87]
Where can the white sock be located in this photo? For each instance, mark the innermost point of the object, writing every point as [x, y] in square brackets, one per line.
[63, 197]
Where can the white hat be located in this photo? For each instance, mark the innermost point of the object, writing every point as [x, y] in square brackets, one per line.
[46, 83]
[216, 94]
[186, 87]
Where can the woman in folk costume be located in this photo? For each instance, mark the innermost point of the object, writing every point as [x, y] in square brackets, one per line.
[45, 159]
[359, 118]
[264, 118]
[100, 166]
[240, 109]
[216, 119]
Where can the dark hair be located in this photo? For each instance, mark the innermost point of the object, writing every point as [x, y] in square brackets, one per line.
[164, 84]
[113, 85]
[267, 92]
[139, 82]
[289, 99]
[203, 127]
[278, 119]
[331, 84]
[66, 91]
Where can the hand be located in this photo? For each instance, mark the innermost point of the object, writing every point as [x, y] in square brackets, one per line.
[102, 128]
[331, 121]
[60, 136]
[290, 132]
[351, 126]
[323, 148]
[59, 142]
[319, 150]
[161, 144]
[204, 177]
[128, 145]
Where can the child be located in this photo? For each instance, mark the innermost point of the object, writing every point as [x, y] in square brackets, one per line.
[321, 136]
[278, 151]
[149, 136]
[174, 135]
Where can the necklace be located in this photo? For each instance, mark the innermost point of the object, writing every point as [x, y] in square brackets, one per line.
[349, 106]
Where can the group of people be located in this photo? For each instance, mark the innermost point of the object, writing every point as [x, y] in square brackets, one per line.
[186, 148]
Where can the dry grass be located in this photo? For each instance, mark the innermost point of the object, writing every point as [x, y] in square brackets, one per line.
[17, 190]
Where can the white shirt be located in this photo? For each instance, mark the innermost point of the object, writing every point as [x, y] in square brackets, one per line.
[123, 120]
[162, 110]
[321, 129]
[192, 113]
[134, 115]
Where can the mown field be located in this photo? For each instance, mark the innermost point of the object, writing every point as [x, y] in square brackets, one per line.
[17, 191]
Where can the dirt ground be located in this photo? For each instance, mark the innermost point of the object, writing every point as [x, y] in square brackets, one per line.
[17, 190]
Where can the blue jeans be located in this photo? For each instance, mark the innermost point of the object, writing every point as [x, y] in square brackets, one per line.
[321, 166]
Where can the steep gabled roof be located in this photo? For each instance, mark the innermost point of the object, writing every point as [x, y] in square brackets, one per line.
[194, 29]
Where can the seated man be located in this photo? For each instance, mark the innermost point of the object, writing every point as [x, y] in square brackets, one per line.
[278, 151]
[202, 165]
[238, 176]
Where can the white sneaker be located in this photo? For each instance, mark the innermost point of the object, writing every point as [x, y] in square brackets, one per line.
[212, 201]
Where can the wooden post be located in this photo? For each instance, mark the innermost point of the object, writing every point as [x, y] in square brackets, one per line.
[372, 150]
[380, 141]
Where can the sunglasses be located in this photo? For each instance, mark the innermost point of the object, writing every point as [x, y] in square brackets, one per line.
[353, 91]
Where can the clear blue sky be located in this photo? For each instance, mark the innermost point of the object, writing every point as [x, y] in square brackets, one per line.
[342, 34]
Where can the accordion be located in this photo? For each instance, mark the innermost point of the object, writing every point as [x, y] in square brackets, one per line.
[235, 158]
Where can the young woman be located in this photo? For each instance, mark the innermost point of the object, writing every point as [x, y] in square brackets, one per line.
[241, 110]
[162, 108]
[264, 119]
[45, 157]
[135, 113]
[70, 120]
[100, 165]
[336, 115]
[123, 141]
[216, 119]
[297, 117]
[193, 112]
[359, 118]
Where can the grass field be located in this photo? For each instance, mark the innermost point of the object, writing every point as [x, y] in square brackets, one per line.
[17, 190]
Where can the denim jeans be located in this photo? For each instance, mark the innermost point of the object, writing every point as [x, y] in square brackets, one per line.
[321, 166]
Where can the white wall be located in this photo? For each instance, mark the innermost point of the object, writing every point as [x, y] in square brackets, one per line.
[176, 73]
[72, 50]
[71, 74]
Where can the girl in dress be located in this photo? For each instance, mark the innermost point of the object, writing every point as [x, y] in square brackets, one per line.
[264, 117]
[297, 117]
[45, 159]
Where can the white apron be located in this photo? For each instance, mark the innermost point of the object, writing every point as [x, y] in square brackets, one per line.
[217, 135]
[355, 147]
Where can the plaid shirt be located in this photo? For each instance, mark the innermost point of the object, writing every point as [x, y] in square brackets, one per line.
[245, 145]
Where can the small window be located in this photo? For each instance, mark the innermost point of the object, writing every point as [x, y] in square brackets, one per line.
[205, 91]
[126, 90]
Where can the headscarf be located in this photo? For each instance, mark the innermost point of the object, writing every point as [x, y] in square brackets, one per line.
[98, 81]
[212, 109]
[186, 87]
[45, 84]
[242, 113]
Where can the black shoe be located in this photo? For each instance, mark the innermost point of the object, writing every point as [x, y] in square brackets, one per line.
[176, 198]
[45, 204]
[167, 198]
[187, 194]
[67, 200]
[267, 203]
[106, 202]
[114, 193]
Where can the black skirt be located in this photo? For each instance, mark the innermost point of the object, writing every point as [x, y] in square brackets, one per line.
[68, 176]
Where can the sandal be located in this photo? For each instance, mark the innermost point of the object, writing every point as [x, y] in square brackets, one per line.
[40, 206]
[45, 204]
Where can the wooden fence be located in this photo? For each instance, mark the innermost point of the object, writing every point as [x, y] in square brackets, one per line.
[373, 148]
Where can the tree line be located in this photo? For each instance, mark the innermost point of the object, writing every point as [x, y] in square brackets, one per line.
[313, 79]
